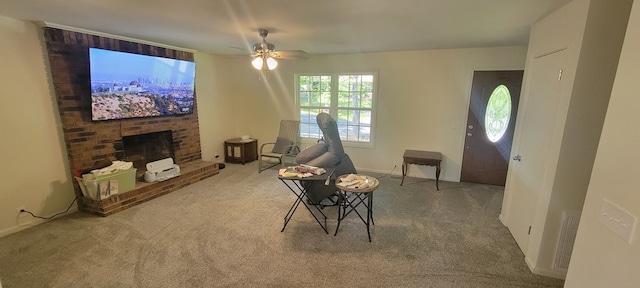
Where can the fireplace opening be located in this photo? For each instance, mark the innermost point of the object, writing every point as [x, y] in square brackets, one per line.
[144, 148]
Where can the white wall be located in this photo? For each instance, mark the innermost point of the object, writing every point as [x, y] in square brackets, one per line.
[215, 105]
[35, 172]
[560, 31]
[422, 100]
[600, 258]
[590, 34]
[601, 45]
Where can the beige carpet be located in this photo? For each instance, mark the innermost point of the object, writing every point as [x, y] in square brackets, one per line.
[225, 232]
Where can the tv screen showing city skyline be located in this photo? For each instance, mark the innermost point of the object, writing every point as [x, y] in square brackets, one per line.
[128, 85]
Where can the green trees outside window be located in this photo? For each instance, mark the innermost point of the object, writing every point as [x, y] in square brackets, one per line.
[349, 98]
[496, 118]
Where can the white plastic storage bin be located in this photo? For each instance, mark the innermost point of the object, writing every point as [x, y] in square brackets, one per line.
[102, 187]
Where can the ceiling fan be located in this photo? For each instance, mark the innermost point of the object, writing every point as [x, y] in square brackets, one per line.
[265, 53]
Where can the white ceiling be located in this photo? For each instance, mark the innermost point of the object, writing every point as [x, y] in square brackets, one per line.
[317, 27]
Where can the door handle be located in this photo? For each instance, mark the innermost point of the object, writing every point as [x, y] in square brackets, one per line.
[517, 158]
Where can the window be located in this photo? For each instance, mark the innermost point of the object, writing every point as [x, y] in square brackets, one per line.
[348, 98]
[496, 118]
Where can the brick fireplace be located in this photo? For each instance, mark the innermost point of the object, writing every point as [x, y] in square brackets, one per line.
[148, 147]
[94, 144]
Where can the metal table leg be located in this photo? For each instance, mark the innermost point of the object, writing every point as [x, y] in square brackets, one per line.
[300, 199]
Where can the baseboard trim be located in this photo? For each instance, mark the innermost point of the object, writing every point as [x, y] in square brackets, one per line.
[558, 274]
[397, 173]
[502, 220]
[550, 273]
[23, 225]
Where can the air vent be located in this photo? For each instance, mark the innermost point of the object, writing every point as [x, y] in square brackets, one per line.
[568, 233]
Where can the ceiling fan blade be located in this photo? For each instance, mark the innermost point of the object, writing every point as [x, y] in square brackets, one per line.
[289, 54]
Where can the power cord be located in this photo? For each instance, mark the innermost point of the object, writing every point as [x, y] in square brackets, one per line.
[385, 175]
[51, 217]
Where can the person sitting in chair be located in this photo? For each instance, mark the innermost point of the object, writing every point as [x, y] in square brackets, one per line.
[328, 153]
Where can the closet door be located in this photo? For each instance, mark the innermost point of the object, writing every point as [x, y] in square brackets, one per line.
[531, 149]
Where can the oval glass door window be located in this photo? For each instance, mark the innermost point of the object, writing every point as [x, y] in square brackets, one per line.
[496, 118]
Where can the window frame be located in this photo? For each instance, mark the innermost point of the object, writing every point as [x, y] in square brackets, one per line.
[333, 107]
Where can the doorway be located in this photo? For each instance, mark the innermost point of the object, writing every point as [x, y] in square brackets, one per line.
[493, 106]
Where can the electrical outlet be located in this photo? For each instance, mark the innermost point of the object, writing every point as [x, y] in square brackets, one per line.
[619, 221]
[20, 209]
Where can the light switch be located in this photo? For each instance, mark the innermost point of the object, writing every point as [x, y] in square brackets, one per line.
[619, 221]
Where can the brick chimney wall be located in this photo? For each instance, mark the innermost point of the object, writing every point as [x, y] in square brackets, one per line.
[91, 144]
[94, 144]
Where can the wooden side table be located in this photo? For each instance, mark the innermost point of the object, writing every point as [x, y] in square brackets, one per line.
[421, 158]
[247, 150]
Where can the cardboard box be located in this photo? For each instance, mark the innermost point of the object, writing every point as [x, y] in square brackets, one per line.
[102, 187]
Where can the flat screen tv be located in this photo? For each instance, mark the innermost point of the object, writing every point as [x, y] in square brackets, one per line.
[127, 85]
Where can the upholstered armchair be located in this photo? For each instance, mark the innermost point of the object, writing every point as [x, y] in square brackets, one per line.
[328, 153]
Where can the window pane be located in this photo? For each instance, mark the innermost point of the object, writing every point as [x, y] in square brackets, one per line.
[304, 115]
[367, 83]
[314, 99]
[304, 83]
[326, 83]
[325, 99]
[496, 118]
[315, 91]
[316, 83]
[304, 98]
[343, 83]
[344, 99]
[365, 134]
[366, 100]
[343, 115]
[349, 99]
[365, 117]
[354, 84]
[355, 91]
[308, 124]
[354, 125]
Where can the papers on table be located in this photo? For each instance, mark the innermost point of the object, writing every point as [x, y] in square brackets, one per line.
[301, 171]
[356, 181]
[347, 184]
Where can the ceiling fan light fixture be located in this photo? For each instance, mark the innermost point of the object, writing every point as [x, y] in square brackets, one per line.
[272, 63]
[264, 53]
[263, 47]
[257, 63]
